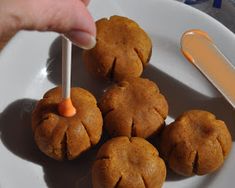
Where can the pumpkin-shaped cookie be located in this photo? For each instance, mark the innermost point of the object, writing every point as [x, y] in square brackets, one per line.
[132, 163]
[62, 137]
[133, 107]
[196, 143]
[122, 49]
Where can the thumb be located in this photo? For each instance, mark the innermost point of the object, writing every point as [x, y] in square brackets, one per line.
[69, 17]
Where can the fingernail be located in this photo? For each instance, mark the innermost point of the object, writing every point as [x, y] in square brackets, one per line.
[82, 39]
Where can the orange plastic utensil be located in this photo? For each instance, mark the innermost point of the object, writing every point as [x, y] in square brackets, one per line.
[199, 49]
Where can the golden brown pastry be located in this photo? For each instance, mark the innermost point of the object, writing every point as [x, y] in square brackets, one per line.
[61, 137]
[122, 49]
[129, 163]
[134, 107]
[196, 143]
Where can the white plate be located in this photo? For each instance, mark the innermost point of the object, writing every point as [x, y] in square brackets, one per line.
[30, 65]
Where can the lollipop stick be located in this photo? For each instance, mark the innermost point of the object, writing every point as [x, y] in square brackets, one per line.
[66, 107]
[66, 67]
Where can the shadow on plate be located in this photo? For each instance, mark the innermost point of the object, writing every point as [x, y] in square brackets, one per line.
[205, 182]
[172, 176]
[16, 135]
[80, 76]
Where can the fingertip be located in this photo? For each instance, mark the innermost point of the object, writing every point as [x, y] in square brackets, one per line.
[82, 39]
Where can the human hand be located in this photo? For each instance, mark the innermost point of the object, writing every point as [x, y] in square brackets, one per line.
[69, 17]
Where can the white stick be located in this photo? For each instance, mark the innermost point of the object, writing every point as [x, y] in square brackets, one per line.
[66, 67]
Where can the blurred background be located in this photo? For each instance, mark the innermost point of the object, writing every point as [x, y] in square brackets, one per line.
[222, 10]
